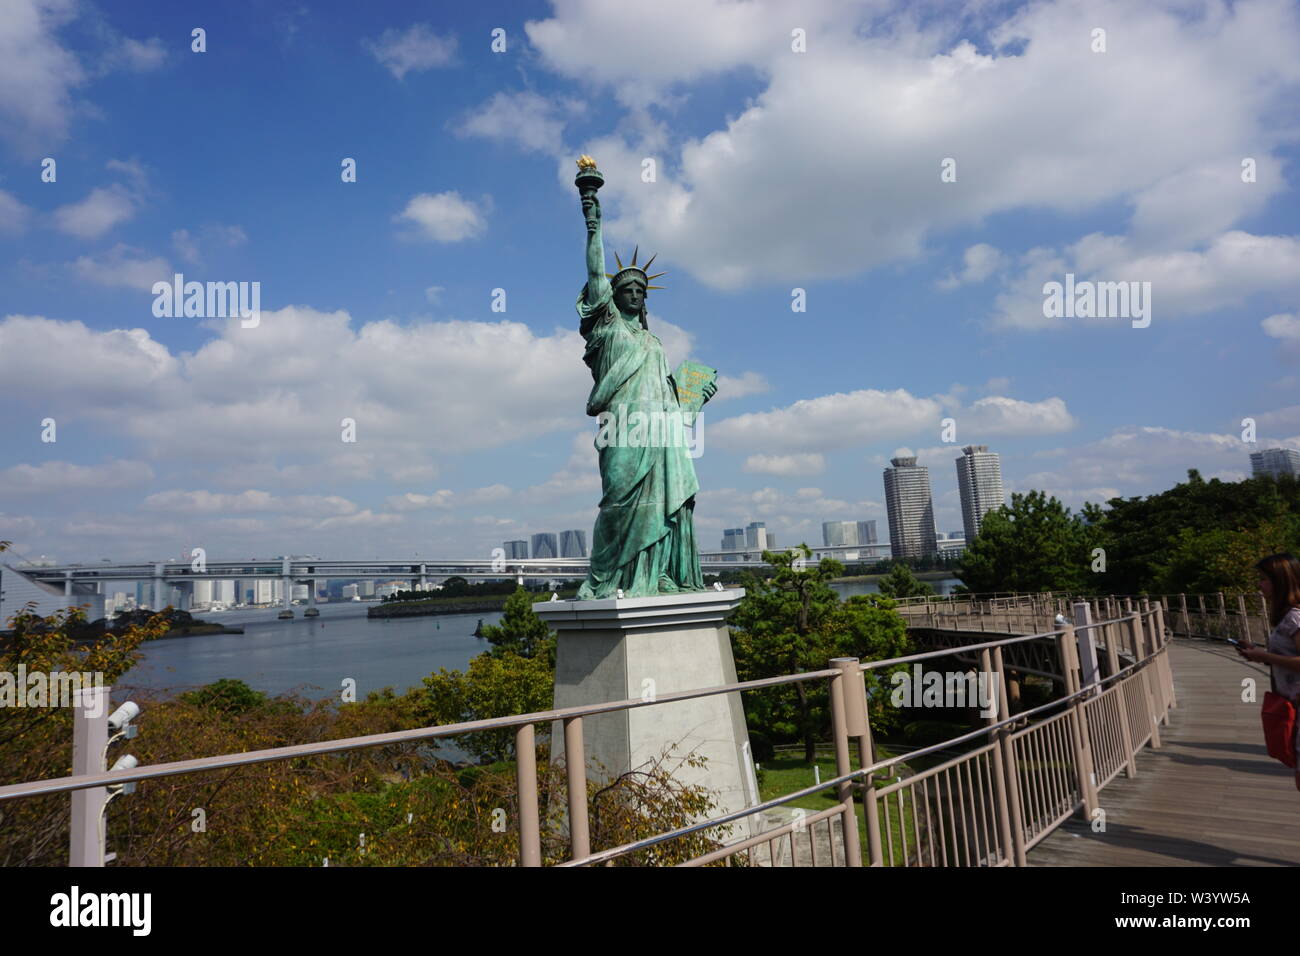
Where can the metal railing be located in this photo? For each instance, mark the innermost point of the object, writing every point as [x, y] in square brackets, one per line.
[985, 807]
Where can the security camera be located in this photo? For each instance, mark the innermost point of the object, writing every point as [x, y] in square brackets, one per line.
[123, 715]
[1060, 619]
[125, 762]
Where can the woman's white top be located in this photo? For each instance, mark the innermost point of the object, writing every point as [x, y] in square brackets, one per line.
[1282, 640]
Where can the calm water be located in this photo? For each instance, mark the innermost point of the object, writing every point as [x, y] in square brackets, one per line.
[314, 656]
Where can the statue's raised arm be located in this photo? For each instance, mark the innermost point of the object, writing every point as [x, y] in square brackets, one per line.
[588, 181]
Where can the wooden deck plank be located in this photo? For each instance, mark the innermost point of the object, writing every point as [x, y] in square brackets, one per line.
[1210, 797]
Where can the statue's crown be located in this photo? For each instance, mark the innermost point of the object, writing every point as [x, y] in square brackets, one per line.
[634, 272]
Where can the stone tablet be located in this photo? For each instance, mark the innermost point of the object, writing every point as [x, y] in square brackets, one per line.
[691, 379]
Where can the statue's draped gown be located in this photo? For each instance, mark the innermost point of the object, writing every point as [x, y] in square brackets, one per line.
[644, 540]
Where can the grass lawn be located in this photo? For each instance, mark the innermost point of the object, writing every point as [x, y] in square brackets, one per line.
[788, 772]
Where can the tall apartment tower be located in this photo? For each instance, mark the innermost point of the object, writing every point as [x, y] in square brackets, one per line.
[979, 479]
[516, 549]
[910, 509]
[756, 536]
[545, 545]
[573, 544]
[1275, 462]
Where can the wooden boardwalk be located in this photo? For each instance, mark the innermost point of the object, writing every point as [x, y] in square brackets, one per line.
[1210, 797]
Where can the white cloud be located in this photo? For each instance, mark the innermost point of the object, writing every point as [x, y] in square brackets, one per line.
[53, 477]
[786, 466]
[190, 246]
[412, 50]
[529, 119]
[1232, 266]
[95, 215]
[998, 416]
[252, 500]
[829, 422]
[279, 392]
[13, 214]
[37, 75]
[1284, 326]
[444, 217]
[978, 263]
[125, 266]
[855, 189]
[739, 386]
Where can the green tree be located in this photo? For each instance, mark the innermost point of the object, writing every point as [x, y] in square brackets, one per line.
[901, 583]
[1033, 544]
[1148, 539]
[794, 621]
[226, 695]
[493, 686]
[521, 631]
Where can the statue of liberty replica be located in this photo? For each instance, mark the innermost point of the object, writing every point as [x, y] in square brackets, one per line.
[674, 637]
[644, 540]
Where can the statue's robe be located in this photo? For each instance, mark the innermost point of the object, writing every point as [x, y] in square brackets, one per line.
[644, 539]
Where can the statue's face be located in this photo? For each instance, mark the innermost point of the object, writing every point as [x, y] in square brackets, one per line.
[630, 298]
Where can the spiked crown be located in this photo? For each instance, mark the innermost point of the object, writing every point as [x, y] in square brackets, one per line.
[634, 272]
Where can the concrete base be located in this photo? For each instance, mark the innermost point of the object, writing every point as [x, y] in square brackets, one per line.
[640, 648]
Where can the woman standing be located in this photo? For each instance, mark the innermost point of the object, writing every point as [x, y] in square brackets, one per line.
[1279, 582]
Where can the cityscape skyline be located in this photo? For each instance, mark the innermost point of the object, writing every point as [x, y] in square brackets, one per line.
[130, 435]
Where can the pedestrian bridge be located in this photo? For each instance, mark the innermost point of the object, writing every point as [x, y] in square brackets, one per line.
[1146, 753]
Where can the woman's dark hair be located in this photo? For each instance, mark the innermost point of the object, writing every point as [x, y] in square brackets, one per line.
[1283, 570]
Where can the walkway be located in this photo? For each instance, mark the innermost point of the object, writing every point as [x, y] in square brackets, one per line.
[1210, 797]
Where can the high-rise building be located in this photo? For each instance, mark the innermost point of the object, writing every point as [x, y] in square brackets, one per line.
[573, 544]
[756, 536]
[516, 549]
[838, 534]
[733, 539]
[545, 545]
[1275, 462]
[979, 479]
[910, 508]
[847, 534]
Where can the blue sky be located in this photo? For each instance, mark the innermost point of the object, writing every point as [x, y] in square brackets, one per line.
[775, 169]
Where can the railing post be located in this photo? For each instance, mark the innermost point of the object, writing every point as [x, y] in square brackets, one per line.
[1263, 617]
[847, 683]
[1140, 652]
[530, 836]
[1170, 695]
[1086, 642]
[575, 761]
[89, 741]
[1005, 772]
[1182, 608]
[1223, 615]
[1078, 723]
[1152, 625]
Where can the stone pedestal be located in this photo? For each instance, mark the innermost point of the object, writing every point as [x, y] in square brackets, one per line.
[636, 648]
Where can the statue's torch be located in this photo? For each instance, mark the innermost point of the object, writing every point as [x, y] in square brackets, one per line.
[588, 181]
